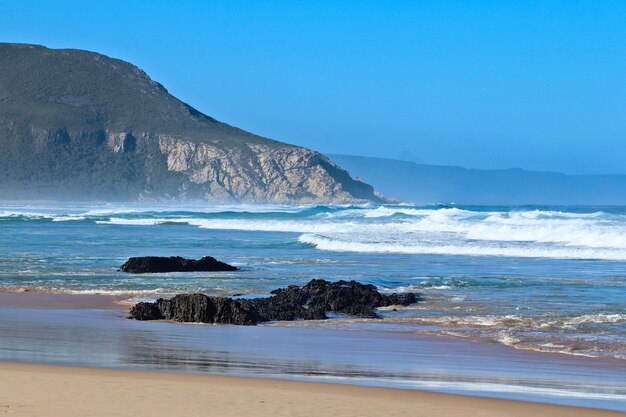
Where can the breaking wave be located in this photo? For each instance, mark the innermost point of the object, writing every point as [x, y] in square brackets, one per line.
[520, 303]
[403, 229]
[475, 250]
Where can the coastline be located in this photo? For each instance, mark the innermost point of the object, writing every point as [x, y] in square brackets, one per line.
[530, 302]
[100, 337]
[41, 299]
[124, 301]
[66, 391]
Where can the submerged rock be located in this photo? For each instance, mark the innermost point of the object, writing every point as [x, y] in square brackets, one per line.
[310, 302]
[146, 264]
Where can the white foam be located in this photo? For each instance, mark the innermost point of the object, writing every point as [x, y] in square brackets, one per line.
[507, 339]
[67, 218]
[23, 213]
[511, 321]
[486, 386]
[472, 321]
[443, 231]
[591, 393]
[598, 318]
[57, 217]
[467, 250]
[195, 208]
[385, 211]
[139, 222]
[102, 291]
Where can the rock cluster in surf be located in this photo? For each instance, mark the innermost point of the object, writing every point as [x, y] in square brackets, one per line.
[147, 264]
[310, 302]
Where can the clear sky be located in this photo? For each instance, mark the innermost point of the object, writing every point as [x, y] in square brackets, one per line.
[485, 84]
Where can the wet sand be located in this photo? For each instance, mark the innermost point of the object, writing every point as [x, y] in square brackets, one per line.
[91, 331]
[63, 391]
[70, 301]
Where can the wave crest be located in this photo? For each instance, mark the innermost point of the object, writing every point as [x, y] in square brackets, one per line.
[400, 229]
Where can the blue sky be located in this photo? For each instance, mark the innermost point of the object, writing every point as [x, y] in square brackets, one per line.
[485, 84]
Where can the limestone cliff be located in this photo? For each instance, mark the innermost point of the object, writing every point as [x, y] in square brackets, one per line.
[76, 124]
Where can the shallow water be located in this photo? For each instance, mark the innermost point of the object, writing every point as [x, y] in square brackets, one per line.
[540, 278]
[103, 338]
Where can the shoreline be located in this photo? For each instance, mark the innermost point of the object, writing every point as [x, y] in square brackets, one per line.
[123, 302]
[42, 299]
[104, 339]
[60, 389]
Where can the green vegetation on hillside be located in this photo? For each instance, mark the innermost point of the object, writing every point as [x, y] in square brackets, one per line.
[63, 112]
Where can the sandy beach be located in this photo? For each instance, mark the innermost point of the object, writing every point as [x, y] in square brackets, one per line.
[353, 209]
[70, 344]
[53, 300]
[38, 390]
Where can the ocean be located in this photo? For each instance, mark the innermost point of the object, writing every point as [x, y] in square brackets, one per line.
[548, 279]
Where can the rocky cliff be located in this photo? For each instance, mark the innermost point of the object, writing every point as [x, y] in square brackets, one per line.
[76, 124]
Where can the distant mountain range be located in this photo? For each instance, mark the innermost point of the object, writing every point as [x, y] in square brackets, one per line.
[420, 183]
[80, 125]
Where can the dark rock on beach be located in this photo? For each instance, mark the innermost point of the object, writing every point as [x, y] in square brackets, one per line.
[348, 297]
[146, 264]
[145, 311]
[198, 308]
[310, 302]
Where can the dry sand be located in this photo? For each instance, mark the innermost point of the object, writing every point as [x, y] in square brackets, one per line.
[51, 391]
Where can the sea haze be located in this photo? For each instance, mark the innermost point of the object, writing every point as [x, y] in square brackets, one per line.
[418, 182]
[537, 278]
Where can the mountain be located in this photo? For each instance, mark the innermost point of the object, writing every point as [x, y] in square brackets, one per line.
[421, 183]
[77, 124]
[409, 157]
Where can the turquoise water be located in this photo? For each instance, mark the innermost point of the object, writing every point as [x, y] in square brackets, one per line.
[538, 278]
